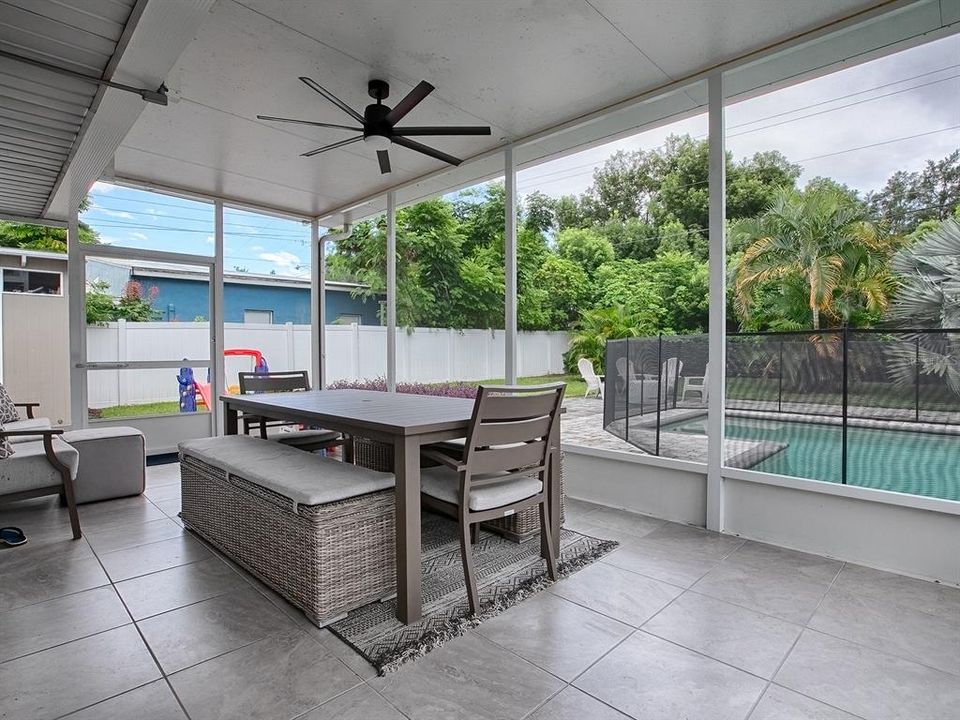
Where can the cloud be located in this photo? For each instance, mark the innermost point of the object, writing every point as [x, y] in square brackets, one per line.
[139, 236]
[113, 213]
[102, 187]
[282, 260]
[256, 248]
[209, 239]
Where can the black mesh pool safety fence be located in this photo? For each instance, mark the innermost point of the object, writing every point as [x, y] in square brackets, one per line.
[877, 407]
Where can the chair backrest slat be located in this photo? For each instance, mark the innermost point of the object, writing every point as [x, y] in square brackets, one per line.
[517, 407]
[273, 382]
[509, 457]
[517, 431]
[510, 432]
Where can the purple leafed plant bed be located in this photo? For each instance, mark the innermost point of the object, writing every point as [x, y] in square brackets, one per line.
[448, 389]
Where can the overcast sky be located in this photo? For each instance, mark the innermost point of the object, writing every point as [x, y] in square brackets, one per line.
[850, 125]
[912, 92]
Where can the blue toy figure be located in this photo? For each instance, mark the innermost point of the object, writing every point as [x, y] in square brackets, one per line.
[188, 390]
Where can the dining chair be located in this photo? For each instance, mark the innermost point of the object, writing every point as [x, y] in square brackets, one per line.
[503, 467]
[289, 381]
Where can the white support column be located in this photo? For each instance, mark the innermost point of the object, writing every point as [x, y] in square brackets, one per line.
[718, 299]
[318, 307]
[510, 267]
[77, 298]
[391, 291]
[217, 366]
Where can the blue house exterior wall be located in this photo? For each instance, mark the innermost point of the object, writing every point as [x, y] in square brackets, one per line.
[185, 300]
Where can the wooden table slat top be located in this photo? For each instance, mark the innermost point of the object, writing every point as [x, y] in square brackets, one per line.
[396, 413]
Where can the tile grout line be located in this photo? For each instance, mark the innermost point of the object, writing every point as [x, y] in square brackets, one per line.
[143, 639]
[793, 646]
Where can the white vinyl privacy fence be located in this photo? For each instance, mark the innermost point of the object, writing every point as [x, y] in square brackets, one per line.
[354, 352]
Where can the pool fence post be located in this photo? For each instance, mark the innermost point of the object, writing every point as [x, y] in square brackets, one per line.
[843, 451]
[659, 385]
[626, 392]
[780, 379]
[916, 379]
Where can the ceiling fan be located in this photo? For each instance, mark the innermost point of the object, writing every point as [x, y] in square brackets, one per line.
[378, 123]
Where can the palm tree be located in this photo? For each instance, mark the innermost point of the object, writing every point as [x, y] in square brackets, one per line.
[929, 295]
[594, 328]
[822, 236]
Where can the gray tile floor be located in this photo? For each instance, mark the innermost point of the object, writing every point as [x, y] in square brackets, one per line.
[141, 620]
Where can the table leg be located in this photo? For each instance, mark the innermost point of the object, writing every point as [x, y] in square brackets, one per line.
[406, 464]
[229, 419]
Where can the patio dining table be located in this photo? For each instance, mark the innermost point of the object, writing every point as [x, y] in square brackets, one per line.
[407, 422]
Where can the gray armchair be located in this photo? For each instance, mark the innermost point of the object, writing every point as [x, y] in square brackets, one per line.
[39, 467]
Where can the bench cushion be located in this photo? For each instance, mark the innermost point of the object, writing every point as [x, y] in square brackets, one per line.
[305, 478]
[29, 469]
[442, 483]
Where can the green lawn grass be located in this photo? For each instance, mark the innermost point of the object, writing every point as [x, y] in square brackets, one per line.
[156, 408]
[575, 388]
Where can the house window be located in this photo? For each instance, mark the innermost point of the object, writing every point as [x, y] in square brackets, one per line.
[258, 317]
[33, 282]
[348, 319]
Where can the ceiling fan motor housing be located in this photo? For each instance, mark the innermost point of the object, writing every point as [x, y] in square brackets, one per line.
[375, 120]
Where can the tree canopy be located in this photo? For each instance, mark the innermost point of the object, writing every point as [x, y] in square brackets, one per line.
[43, 237]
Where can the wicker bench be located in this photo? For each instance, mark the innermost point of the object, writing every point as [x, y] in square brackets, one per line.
[318, 531]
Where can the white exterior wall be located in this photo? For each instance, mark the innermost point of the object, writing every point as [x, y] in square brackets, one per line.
[354, 352]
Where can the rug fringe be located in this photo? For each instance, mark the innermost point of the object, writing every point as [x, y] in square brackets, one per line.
[458, 626]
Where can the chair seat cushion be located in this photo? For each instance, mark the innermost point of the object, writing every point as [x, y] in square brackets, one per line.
[442, 483]
[305, 478]
[29, 424]
[306, 437]
[29, 469]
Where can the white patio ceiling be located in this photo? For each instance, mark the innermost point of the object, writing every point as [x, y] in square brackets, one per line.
[520, 66]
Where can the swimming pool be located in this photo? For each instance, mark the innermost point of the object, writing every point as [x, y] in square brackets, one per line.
[897, 460]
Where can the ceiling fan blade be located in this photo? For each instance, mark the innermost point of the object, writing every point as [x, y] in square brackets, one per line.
[384, 157]
[421, 148]
[453, 130]
[413, 98]
[308, 122]
[314, 85]
[332, 146]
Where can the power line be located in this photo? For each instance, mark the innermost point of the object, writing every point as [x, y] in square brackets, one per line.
[803, 160]
[878, 144]
[191, 219]
[839, 107]
[137, 226]
[576, 168]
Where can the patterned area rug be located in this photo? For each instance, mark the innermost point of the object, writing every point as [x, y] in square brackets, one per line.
[507, 573]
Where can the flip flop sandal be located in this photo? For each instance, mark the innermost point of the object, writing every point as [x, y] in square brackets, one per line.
[12, 536]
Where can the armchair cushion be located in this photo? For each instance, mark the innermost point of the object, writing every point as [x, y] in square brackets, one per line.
[8, 411]
[30, 424]
[29, 468]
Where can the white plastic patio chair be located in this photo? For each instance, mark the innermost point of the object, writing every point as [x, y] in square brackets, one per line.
[696, 384]
[589, 375]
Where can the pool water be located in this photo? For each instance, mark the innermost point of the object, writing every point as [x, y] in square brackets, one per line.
[897, 460]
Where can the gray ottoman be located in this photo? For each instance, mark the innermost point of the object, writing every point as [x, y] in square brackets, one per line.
[112, 462]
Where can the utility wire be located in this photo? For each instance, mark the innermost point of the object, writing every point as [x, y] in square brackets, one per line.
[787, 112]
